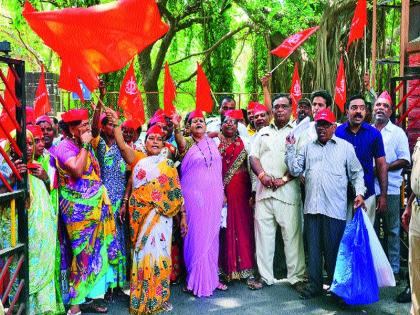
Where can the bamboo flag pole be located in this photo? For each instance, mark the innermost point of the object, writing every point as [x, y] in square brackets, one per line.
[373, 71]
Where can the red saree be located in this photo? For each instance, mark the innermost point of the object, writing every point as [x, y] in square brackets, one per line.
[237, 245]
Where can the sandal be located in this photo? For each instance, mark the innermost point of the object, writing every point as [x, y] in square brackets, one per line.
[167, 306]
[254, 284]
[222, 287]
[70, 313]
[93, 307]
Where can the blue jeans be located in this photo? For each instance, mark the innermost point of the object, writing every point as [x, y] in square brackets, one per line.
[323, 235]
[391, 224]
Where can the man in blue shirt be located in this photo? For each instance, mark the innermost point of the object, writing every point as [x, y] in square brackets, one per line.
[368, 144]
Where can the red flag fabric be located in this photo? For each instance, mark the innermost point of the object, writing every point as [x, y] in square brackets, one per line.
[5, 120]
[340, 86]
[130, 98]
[295, 90]
[358, 23]
[169, 92]
[41, 103]
[203, 99]
[99, 39]
[290, 44]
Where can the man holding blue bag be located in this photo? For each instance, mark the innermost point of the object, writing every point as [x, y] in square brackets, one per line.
[329, 163]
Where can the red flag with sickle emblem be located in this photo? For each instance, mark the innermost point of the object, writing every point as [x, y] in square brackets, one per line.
[291, 43]
[358, 23]
[99, 39]
[130, 98]
[295, 90]
[41, 102]
[169, 92]
[340, 86]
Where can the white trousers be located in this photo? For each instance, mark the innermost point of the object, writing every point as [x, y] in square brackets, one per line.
[268, 212]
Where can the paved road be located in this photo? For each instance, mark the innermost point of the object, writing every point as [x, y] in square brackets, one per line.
[277, 299]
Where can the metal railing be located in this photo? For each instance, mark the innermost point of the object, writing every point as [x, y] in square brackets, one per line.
[14, 259]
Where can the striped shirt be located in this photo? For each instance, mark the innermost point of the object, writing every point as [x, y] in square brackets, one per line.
[328, 169]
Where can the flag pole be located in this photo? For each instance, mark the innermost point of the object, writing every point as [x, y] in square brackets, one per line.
[278, 65]
[364, 50]
[373, 49]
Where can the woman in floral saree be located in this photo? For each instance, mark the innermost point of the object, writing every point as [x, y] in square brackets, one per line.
[87, 215]
[42, 235]
[155, 199]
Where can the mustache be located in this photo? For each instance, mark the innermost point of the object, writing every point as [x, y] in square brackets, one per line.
[358, 116]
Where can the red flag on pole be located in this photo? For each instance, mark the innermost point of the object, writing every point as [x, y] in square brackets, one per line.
[41, 102]
[358, 23]
[295, 90]
[340, 86]
[204, 101]
[99, 39]
[130, 98]
[169, 92]
[290, 44]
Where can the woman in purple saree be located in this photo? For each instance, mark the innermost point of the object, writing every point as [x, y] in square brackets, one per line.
[202, 188]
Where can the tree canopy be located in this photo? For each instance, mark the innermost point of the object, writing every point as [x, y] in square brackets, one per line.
[232, 39]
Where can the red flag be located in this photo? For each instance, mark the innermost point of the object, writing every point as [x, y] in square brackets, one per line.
[130, 98]
[340, 86]
[358, 23]
[290, 44]
[6, 122]
[99, 39]
[169, 92]
[295, 90]
[41, 102]
[204, 101]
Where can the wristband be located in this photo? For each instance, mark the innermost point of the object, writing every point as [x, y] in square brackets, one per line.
[85, 146]
[261, 175]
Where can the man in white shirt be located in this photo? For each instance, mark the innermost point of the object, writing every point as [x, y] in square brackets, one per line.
[214, 123]
[397, 156]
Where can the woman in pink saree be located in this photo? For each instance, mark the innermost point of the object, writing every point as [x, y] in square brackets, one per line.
[202, 187]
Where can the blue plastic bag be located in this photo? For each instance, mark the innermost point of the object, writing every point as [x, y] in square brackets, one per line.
[354, 275]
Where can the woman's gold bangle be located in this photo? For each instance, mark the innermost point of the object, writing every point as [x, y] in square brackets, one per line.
[261, 175]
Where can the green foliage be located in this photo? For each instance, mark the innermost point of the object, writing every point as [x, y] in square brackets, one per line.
[234, 66]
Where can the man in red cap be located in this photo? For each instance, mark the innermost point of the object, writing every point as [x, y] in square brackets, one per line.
[397, 156]
[329, 164]
[250, 116]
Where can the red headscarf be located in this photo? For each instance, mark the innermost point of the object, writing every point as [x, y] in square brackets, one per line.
[195, 114]
[156, 130]
[75, 115]
[35, 130]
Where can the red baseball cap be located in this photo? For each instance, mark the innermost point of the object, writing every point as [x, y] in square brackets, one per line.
[326, 115]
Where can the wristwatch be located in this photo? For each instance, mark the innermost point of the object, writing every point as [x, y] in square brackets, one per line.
[285, 179]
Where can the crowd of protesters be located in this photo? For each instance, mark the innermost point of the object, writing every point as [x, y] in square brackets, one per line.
[113, 207]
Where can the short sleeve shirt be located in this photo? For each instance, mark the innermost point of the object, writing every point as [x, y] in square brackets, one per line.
[368, 144]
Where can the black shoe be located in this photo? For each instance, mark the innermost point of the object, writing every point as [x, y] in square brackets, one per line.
[404, 296]
[309, 293]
